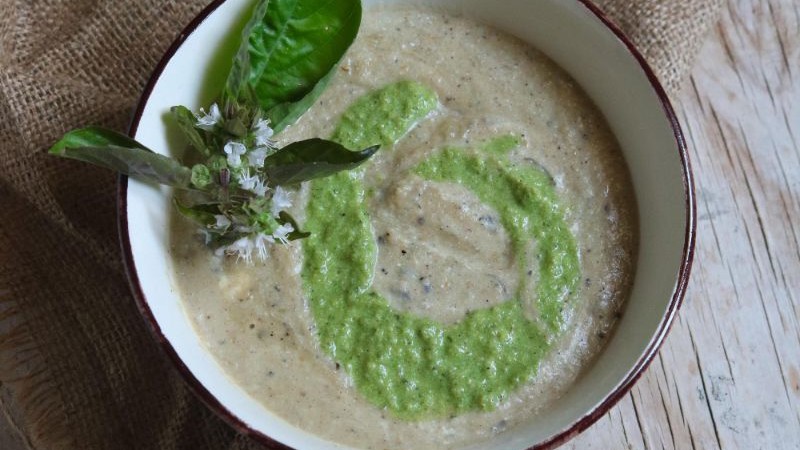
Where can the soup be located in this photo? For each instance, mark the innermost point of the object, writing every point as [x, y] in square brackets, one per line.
[460, 281]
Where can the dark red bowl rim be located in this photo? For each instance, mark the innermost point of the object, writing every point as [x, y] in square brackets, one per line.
[558, 439]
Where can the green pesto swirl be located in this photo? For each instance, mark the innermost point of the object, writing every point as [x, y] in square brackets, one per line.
[415, 366]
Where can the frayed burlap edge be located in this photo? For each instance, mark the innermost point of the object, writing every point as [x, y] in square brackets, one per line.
[24, 371]
[669, 34]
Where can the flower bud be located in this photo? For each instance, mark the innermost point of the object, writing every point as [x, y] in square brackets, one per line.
[201, 176]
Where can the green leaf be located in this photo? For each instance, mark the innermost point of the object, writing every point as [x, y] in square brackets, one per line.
[284, 218]
[285, 114]
[118, 152]
[288, 53]
[312, 158]
[187, 123]
[203, 214]
[237, 87]
[93, 137]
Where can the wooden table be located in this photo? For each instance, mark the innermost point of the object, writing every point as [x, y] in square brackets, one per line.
[728, 375]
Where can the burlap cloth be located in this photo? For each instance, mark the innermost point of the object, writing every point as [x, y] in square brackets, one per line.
[80, 364]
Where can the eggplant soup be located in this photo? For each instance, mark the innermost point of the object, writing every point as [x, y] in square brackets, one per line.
[455, 284]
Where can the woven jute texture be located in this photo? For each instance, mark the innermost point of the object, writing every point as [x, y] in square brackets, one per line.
[75, 353]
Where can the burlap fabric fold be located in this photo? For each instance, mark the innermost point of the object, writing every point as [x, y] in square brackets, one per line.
[75, 355]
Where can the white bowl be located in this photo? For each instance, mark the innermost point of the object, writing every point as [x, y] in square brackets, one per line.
[577, 36]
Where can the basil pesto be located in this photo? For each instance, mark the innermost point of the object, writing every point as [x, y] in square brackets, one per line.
[412, 365]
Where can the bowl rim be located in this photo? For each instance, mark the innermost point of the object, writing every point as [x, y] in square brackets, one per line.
[584, 422]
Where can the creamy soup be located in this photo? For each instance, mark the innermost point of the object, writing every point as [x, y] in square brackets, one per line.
[457, 283]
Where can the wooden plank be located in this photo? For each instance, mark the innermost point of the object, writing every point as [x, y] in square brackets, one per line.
[727, 376]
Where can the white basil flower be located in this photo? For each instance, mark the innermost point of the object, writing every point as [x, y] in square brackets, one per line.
[256, 157]
[260, 188]
[246, 181]
[242, 248]
[234, 150]
[263, 134]
[252, 183]
[222, 222]
[261, 240]
[280, 201]
[281, 233]
[207, 121]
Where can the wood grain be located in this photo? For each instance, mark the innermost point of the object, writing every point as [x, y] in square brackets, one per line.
[728, 376]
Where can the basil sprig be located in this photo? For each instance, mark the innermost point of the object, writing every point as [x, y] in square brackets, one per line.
[239, 186]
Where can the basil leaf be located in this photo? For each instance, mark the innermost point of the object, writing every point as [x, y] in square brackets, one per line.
[284, 218]
[285, 114]
[187, 123]
[288, 54]
[312, 158]
[118, 152]
[237, 87]
[94, 137]
[203, 214]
